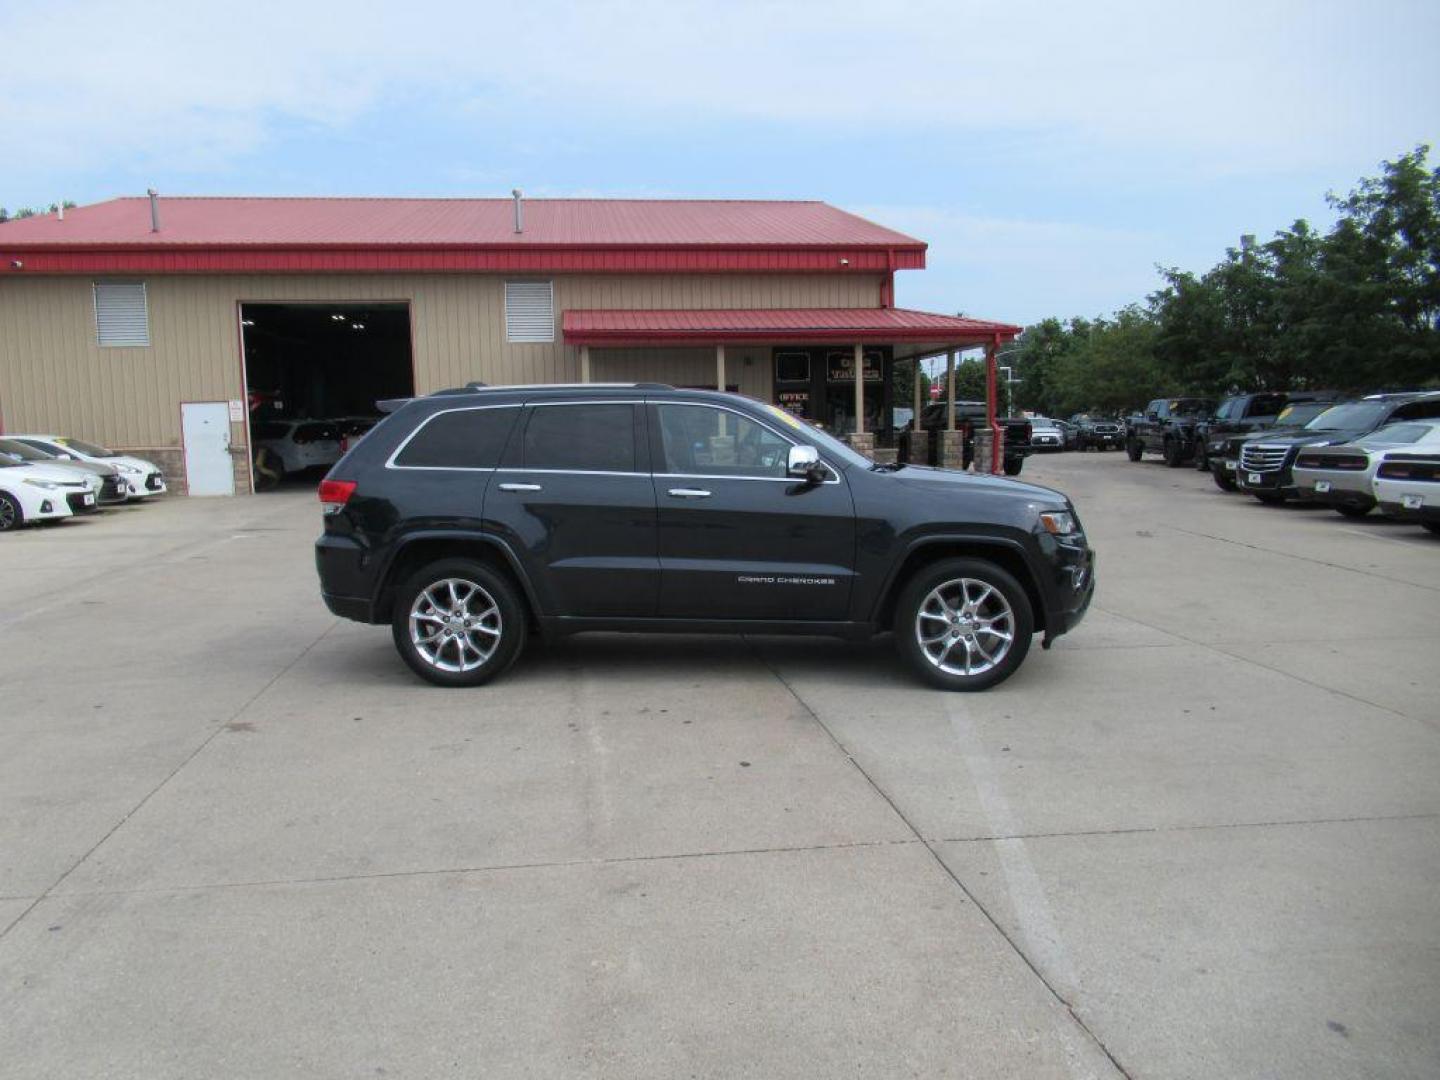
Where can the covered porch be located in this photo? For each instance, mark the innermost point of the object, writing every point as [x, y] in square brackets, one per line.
[804, 360]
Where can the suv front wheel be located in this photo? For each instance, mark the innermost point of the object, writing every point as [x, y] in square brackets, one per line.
[458, 623]
[964, 624]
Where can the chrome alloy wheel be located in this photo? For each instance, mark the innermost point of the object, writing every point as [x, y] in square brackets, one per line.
[9, 517]
[965, 626]
[455, 625]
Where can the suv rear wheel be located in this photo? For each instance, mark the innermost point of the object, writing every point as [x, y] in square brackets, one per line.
[458, 623]
[1174, 453]
[964, 624]
[1134, 449]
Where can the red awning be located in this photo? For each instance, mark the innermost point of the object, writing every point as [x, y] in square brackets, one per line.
[869, 326]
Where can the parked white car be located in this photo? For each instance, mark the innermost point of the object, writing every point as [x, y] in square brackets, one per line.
[142, 478]
[1340, 476]
[1045, 435]
[31, 493]
[1407, 486]
[299, 444]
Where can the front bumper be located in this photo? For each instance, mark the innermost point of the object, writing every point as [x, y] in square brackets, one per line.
[142, 487]
[82, 502]
[1334, 487]
[1276, 482]
[1408, 501]
[1074, 585]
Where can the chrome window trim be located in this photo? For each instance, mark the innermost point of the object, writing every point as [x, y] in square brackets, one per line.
[390, 461]
[834, 473]
[566, 472]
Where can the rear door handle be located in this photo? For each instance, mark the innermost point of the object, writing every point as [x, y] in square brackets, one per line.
[690, 493]
[520, 487]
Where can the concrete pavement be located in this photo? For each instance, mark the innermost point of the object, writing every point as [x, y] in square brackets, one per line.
[1196, 838]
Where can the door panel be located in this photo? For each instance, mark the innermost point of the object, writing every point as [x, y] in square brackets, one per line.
[205, 430]
[586, 534]
[756, 546]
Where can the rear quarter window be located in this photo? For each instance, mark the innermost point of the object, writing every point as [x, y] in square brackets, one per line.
[459, 439]
[581, 438]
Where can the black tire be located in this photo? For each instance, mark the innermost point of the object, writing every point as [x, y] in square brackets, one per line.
[508, 618]
[1135, 449]
[1432, 526]
[1223, 480]
[1174, 454]
[1202, 459]
[1269, 498]
[1006, 604]
[11, 516]
[1012, 466]
[1354, 511]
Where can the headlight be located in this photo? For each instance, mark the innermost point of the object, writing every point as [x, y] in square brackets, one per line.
[48, 485]
[131, 469]
[1059, 522]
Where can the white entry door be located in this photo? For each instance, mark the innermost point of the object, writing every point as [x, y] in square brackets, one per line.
[205, 426]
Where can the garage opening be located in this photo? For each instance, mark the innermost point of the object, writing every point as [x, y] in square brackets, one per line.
[313, 373]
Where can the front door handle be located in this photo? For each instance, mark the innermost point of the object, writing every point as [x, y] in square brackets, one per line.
[520, 487]
[690, 493]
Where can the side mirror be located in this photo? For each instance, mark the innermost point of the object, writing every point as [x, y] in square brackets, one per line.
[803, 462]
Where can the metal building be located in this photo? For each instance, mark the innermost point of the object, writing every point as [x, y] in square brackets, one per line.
[119, 318]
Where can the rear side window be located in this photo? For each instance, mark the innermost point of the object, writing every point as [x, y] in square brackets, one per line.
[459, 439]
[1418, 410]
[1266, 405]
[580, 438]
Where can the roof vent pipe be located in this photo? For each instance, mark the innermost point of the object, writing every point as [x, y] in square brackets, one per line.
[60, 211]
[154, 209]
[519, 210]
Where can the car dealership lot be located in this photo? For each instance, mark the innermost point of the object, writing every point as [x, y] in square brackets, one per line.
[1199, 837]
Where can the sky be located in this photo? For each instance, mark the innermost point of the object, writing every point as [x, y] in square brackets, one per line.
[1052, 154]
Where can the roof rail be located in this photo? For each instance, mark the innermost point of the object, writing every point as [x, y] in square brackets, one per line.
[475, 387]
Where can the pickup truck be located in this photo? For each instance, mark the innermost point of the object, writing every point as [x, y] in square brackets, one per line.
[1243, 414]
[968, 416]
[1168, 427]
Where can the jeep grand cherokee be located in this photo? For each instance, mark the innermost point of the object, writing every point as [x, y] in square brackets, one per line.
[468, 518]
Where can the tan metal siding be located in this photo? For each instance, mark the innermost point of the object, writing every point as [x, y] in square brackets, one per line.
[53, 375]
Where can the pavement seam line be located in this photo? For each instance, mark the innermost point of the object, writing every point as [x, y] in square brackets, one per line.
[1299, 558]
[1274, 670]
[384, 875]
[1154, 830]
[219, 727]
[935, 856]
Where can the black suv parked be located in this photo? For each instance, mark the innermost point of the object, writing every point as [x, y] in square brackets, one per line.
[1222, 452]
[468, 517]
[1168, 427]
[1266, 460]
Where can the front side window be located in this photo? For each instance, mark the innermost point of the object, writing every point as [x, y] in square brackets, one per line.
[697, 440]
[459, 439]
[580, 438]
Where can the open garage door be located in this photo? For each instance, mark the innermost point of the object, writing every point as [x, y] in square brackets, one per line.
[313, 372]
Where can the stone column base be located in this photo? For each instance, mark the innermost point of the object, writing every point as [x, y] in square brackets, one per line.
[885, 455]
[984, 450]
[918, 445]
[862, 443]
[952, 449]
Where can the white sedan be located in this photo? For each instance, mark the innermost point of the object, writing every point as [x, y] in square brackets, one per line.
[299, 444]
[141, 478]
[30, 493]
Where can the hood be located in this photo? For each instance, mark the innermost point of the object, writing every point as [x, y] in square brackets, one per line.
[57, 473]
[135, 462]
[1301, 437]
[950, 480]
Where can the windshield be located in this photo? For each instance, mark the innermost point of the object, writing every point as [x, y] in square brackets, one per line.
[1400, 433]
[1041, 422]
[1190, 407]
[1229, 408]
[88, 449]
[24, 453]
[1352, 416]
[1303, 413]
[823, 441]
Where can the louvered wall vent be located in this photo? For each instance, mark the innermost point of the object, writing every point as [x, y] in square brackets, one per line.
[121, 317]
[529, 311]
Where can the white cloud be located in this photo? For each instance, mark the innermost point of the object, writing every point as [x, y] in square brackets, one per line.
[1225, 86]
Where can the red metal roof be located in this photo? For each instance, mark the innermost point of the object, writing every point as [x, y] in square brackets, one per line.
[865, 325]
[200, 235]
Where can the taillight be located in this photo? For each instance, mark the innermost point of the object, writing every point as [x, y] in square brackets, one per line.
[334, 494]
